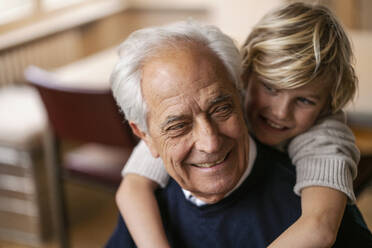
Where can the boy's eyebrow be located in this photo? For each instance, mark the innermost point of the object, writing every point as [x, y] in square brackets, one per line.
[316, 96]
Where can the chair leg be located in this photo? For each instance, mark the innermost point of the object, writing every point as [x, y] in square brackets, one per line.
[57, 194]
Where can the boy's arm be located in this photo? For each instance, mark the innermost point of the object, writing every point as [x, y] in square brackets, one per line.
[322, 211]
[142, 163]
[136, 200]
[138, 206]
[326, 159]
[326, 155]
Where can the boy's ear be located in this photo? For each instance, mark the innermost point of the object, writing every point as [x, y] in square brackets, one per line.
[146, 138]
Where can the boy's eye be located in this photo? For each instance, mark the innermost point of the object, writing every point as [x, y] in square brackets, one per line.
[269, 88]
[305, 101]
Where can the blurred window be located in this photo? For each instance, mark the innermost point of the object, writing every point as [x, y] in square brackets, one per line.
[57, 4]
[18, 10]
[12, 10]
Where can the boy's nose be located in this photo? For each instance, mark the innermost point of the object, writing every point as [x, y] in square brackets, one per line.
[281, 108]
[207, 138]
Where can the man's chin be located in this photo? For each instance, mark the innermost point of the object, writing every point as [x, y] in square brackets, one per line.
[212, 199]
[213, 193]
[209, 198]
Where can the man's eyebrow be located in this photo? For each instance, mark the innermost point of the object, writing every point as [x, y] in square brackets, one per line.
[174, 118]
[170, 119]
[220, 98]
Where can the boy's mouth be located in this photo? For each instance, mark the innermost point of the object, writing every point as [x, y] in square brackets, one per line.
[273, 124]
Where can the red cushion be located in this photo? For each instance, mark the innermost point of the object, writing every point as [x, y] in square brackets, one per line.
[97, 162]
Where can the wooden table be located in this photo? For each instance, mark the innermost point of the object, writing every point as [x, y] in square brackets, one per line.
[92, 72]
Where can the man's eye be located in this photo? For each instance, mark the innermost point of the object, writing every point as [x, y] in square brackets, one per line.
[269, 88]
[305, 101]
[223, 111]
[176, 127]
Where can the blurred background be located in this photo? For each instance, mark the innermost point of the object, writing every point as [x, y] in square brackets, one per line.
[71, 46]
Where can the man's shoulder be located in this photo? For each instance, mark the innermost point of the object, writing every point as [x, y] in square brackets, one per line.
[269, 159]
[269, 153]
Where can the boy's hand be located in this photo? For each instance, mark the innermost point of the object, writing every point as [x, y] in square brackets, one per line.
[322, 212]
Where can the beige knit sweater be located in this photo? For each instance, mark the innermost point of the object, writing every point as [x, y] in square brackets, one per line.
[325, 155]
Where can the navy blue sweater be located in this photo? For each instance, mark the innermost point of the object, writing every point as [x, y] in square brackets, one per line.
[255, 214]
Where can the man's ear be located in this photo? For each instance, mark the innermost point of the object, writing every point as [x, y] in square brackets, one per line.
[146, 138]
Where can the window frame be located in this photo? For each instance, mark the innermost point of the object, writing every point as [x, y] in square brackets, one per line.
[40, 13]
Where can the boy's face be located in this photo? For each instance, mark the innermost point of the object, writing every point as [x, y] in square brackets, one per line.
[277, 115]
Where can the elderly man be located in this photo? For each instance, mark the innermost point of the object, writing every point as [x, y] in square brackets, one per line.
[178, 88]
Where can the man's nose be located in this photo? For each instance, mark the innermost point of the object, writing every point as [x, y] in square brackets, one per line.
[207, 138]
[281, 108]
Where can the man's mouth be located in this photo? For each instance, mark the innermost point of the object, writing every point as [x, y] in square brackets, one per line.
[211, 164]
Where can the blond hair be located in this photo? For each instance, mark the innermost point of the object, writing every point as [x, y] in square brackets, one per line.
[298, 44]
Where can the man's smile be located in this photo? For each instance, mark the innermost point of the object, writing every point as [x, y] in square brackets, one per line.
[212, 164]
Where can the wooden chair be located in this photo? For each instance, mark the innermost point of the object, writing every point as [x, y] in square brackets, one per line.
[91, 118]
[24, 209]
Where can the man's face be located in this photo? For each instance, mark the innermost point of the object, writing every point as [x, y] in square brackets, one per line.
[277, 115]
[195, 121]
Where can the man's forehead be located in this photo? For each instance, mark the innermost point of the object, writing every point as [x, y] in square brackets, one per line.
[198, 100]
[183, 82]
[176, 72]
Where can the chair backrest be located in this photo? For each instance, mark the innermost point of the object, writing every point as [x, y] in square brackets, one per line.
[81, 114]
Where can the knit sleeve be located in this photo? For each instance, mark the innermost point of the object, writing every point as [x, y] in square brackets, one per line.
[326, 155]
[141, 162]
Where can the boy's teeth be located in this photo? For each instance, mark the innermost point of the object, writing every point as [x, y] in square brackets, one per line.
[207, 165]
[274, 125]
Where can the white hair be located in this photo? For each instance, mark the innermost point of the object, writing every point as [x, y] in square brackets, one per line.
[144, 43]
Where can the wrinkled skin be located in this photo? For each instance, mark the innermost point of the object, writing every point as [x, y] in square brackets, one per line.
[195, 121]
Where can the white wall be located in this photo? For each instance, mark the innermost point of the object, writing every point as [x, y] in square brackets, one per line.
[234, 17]
[171, 3]
[237, 17]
